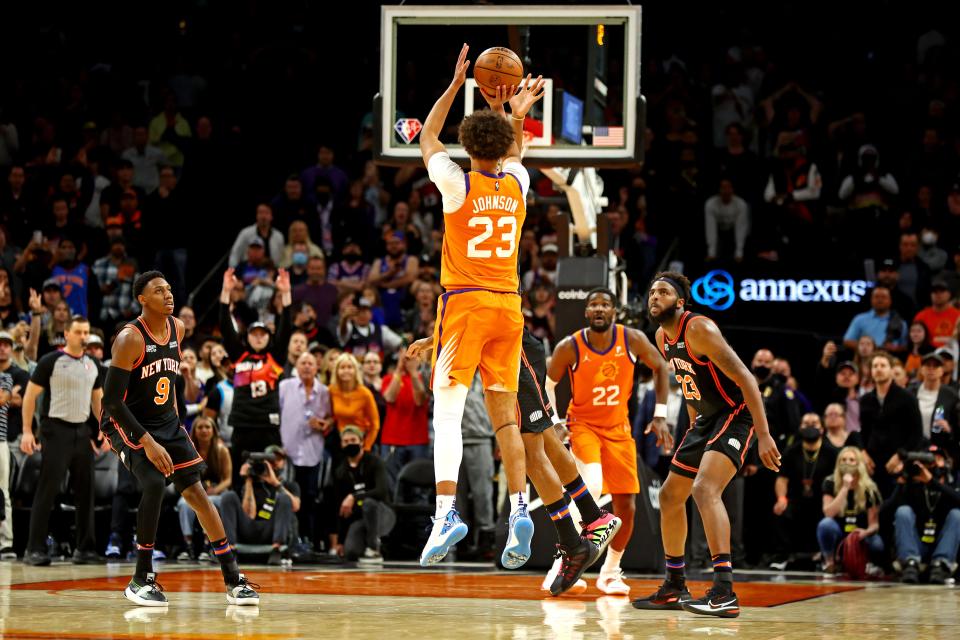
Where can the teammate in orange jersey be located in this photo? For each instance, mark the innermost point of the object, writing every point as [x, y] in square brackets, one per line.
[726, 409]
[600, 361]
[479, 322]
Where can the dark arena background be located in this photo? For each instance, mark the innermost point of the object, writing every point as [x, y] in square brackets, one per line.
[798, 162]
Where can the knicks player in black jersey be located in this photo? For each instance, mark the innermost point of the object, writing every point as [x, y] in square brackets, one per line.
[141, 423]
[726, 416]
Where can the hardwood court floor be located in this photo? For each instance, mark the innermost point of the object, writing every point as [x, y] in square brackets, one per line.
[64, 601]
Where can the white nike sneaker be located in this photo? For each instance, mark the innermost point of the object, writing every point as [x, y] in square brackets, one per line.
[578, 587]
[446, 532]
[611, 582]
[148, 594]
[243, 593]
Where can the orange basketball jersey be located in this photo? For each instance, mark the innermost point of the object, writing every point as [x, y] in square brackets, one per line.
[480, 239]
[601, 382]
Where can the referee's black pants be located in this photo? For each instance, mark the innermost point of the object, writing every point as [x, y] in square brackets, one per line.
[65, 445]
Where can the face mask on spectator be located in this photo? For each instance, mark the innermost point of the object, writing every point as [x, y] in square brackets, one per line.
[761, 372]
[810, 434]
[351, 257]
[351, 450]
[848, 468]
[300, 258]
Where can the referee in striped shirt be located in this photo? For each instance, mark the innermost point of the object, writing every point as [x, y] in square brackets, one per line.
[71, 381]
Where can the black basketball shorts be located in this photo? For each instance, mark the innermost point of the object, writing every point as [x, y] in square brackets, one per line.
[532, 404]
[188, 465]
[728, 432]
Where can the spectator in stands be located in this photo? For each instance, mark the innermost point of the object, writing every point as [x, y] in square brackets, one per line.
[918, 346]
[122, 182]
[296, 347]
[256, 274]
[327, 362]
[115, 273]
[219, 392]
[783, 411]
[941, 316]
[793, 188]
[401, 221]
[191, 338]
[851, 506]
[263, 229]
[799, 487]
[393, 275]
[914, 273]
[371, 366]
[837, 434]
[927, 521]
[930, 252]
[405, 436]
[546, 270]
[216, 478]
[362, 491]
[297, 262]
[17, 204]
[13, 382]
[317, 291]
[538, 312]
[190, 397]
[739, 164]
[255, 412]
[727, 220]
[358, 333]
[170, 131]
[353, 404]
[305, 420]
[326, 168]
[292, 204]
[881, 323]
[889, 421]
[298, 233]
[424, 311]
[306, 320]
[732, 98]
[889, 277]
[246, 521]
[350, 273]
[169, 207]
[939, 403]
[146, 160]
[949, 365]
[868, 193]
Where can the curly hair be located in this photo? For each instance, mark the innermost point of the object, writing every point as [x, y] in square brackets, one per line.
[678, 281]
[485, 135]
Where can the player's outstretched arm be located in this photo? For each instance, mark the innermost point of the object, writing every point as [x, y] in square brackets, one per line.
[127, 349]
[705, 339]
[641, 346]
[430, 135]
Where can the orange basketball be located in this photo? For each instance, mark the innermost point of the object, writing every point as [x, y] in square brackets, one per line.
[497, 66]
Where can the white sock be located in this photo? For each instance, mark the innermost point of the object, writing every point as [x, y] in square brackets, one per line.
[448, 403]
[444, 504]
[516, 499]
[613, 559]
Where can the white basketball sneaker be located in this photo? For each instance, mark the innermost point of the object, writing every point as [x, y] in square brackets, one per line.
[611, 582]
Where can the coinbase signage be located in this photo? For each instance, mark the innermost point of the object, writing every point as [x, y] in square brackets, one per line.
[718, 291]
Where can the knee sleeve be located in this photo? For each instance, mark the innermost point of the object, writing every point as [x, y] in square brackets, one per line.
[447, 440]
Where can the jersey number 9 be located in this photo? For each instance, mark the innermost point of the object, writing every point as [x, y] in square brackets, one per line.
[509, 237]
[163, 391]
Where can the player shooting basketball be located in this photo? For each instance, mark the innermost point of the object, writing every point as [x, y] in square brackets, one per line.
[479, 321]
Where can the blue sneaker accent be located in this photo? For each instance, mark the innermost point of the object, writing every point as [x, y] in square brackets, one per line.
[517, 551]
[452, 531]
[113, 547]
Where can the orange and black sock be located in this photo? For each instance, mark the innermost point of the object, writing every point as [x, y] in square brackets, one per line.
[566, 531]
[587, 506]
[723, 572]
[676, 570]
[227, 556]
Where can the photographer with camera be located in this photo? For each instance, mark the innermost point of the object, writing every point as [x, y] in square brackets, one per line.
[265, 515]
[927, 520]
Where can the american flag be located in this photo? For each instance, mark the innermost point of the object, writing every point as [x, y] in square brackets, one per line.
[608, 136]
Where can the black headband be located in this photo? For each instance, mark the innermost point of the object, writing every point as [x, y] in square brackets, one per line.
[673, 283]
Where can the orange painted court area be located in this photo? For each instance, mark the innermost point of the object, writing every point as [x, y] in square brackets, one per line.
[424, 585]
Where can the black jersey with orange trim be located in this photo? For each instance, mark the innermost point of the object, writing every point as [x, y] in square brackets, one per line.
[256, 394]
[150, 389]
[704, 386]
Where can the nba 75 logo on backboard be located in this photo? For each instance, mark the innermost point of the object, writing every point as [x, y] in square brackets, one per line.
[407, 129]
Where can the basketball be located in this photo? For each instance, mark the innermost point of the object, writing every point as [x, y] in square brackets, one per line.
[497, 66]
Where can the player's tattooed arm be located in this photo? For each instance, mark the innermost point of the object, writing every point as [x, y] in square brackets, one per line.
[704, 338]
[641, 346]
[430, 135]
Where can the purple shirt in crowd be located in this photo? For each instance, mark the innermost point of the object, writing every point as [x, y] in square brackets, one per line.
[303, 445]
